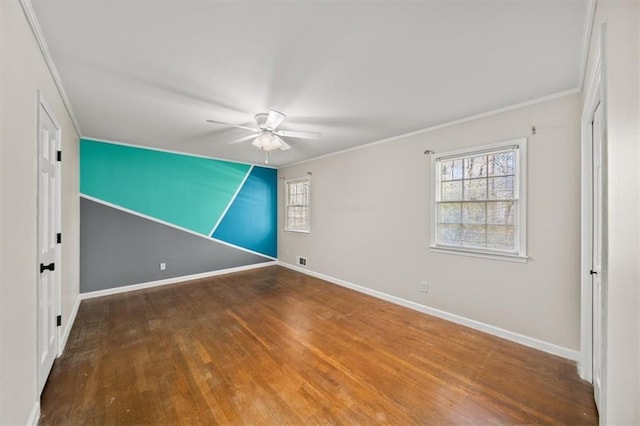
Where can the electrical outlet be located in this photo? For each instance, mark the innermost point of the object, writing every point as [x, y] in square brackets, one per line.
[302, 261]
[163, 266]
[424, 287]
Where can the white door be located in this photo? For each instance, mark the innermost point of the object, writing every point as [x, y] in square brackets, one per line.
[597, 257]
[48, 206]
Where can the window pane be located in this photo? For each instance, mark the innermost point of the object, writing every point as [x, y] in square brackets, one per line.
[475, 167]
[451, 170]
[501, 237]
[446, 170]
[502, 164]
[451, 191]
[474, 213]
[449, 213]
[475, 189]
[501, 212]
[298, 193]
[457, 169]
[474, 236]
[449, 234]
[501, 188]
[297, 217]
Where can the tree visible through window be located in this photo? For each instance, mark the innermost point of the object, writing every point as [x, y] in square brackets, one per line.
[478, 200]
[297, 205]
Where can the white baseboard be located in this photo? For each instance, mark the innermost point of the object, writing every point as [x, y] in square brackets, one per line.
[467, 322]
[69, 325]
[35, 414]
[175, 280]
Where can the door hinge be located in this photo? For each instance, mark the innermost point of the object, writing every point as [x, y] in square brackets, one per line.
[59, 237]
[59, 156]
[592, 272]
[59, 320]
[50, 267]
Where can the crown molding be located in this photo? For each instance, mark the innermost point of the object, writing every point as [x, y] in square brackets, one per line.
[586, 41]
[27, 8]
[444, 125]
[173, 151]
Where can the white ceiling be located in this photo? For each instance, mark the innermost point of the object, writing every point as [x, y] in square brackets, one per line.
[150, 73]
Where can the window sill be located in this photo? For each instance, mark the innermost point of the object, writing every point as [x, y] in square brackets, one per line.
[295, 231]
[484, 255]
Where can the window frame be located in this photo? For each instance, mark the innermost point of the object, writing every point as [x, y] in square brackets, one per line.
[519, 146]
[287, 182]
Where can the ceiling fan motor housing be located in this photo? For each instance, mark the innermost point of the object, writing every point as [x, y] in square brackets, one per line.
[261, 120]
[270, 120]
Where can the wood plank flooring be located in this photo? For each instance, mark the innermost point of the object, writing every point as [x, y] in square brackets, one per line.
[272, 346]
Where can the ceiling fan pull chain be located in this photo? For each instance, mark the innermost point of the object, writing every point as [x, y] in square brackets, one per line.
[266, 157]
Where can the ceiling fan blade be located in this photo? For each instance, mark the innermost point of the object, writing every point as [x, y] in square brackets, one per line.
[299, 135]
[233, 125]
[242, 139]
[274, 119]
[283, 145]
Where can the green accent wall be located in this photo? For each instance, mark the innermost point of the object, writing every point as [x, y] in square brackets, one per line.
[187, 191]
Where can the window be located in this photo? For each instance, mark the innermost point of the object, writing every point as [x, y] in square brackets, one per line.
[297, 205]
[479, 200]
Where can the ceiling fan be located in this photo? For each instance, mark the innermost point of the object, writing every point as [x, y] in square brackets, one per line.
[269, 138]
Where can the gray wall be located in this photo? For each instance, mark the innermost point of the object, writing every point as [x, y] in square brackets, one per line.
[119, 248]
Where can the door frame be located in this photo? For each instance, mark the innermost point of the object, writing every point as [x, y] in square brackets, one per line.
[594, 95]
[42, 103]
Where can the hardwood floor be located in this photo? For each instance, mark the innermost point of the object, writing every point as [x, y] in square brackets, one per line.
[272, 346]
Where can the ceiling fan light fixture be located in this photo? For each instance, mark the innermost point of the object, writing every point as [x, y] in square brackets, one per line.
[266, 142]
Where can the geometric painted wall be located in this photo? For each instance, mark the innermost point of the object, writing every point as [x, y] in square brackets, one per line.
[223, 202]
[251, 220]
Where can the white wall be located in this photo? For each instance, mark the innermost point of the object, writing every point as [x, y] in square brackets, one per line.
[370, 216]
[22, 72]
[2, 296]
[622, 72]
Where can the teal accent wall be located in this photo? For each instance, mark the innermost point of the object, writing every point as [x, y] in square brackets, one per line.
[251, 221]
[186, 191]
